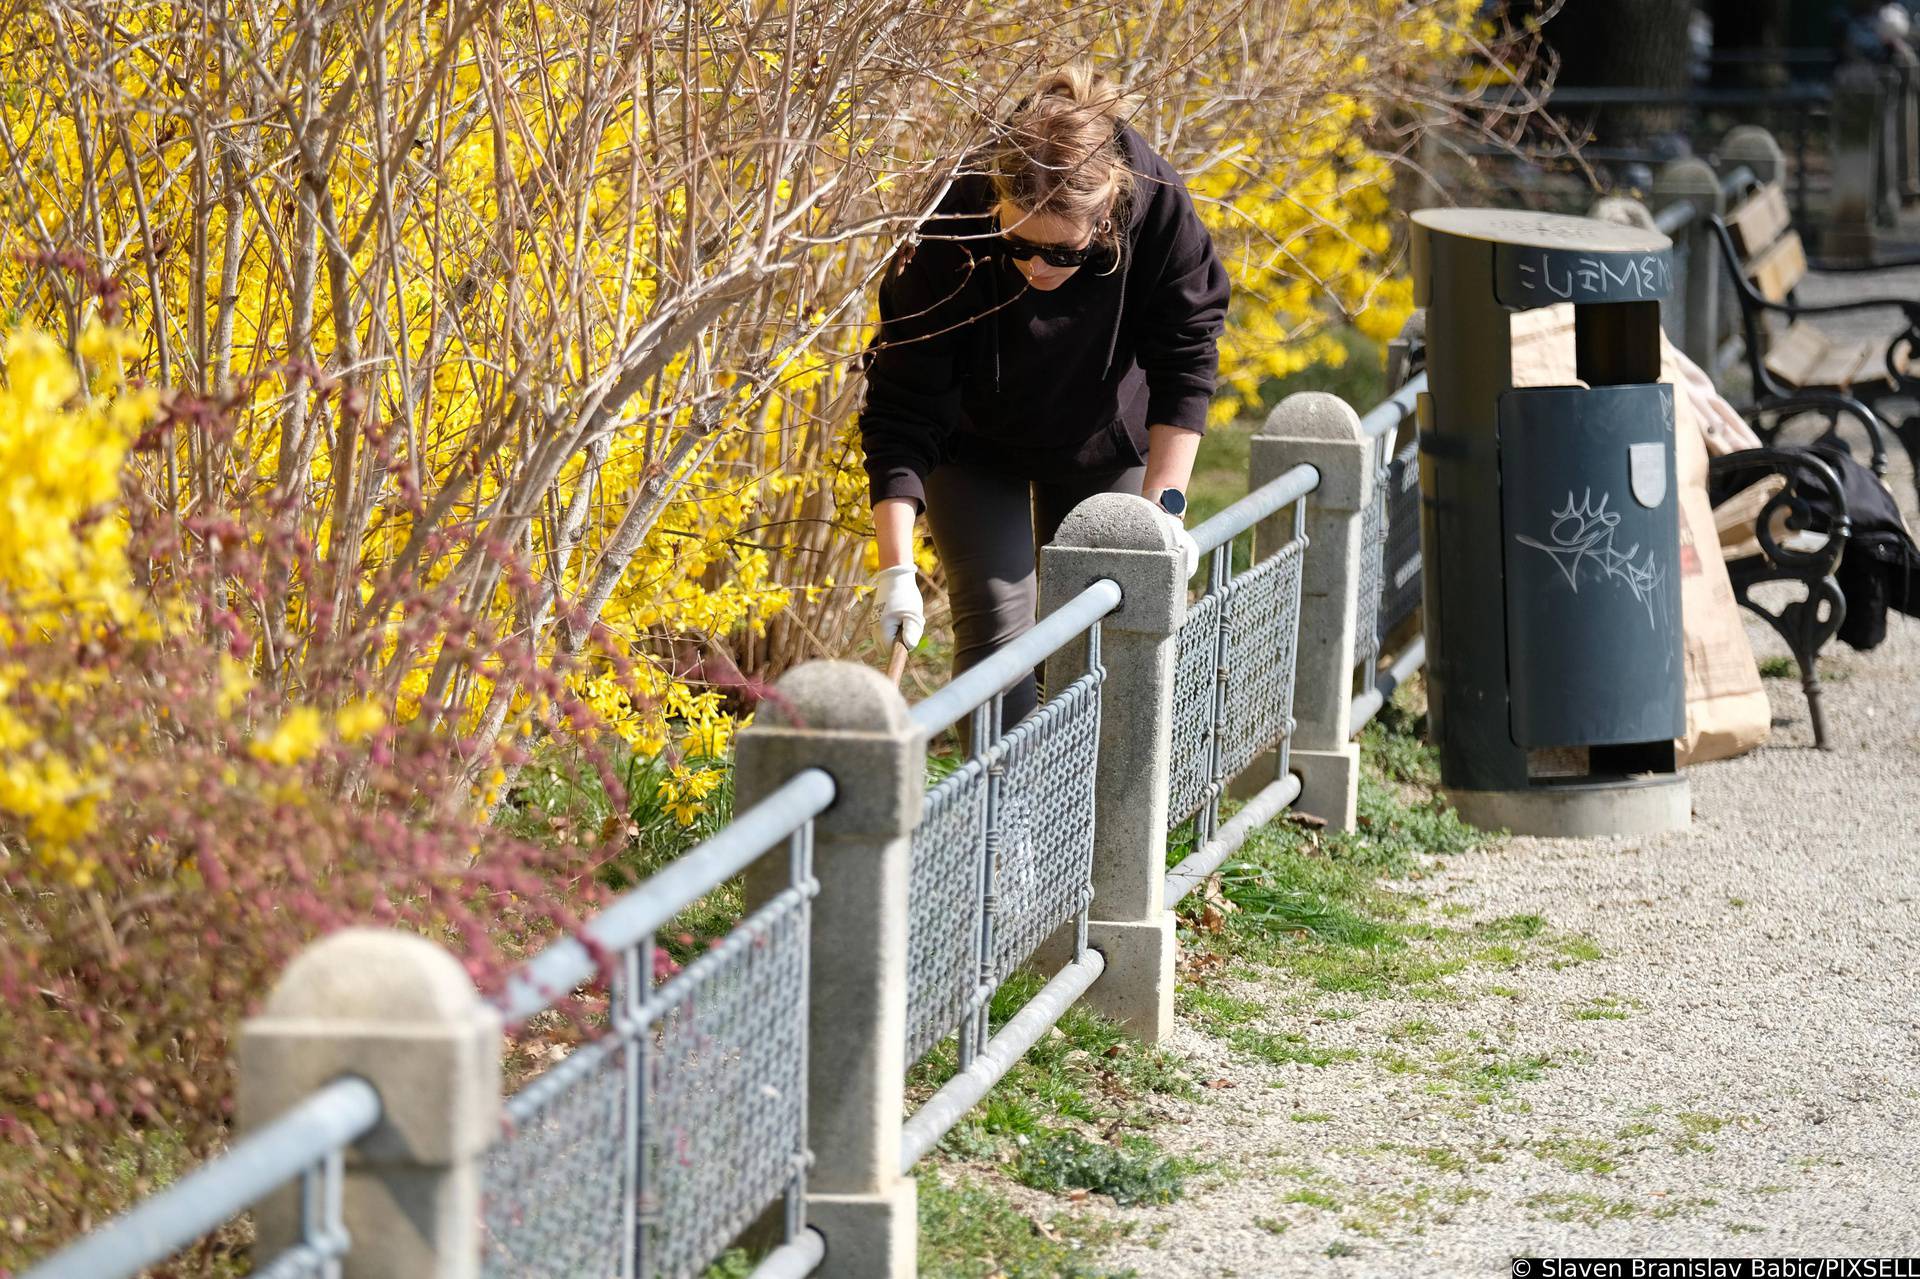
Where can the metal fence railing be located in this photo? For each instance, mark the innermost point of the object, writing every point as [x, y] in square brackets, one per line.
[303, 1148]
[1004, 851]
[1391, 572]
[650, 1149]
[882, 918]
[1234, 675]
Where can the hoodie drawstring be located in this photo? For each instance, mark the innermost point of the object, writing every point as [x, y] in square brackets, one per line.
[1113, 337]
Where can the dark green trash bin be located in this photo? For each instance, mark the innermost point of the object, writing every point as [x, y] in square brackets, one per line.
[1550, 529]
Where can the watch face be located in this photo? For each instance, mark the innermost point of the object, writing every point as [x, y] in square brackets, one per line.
[1173, 501]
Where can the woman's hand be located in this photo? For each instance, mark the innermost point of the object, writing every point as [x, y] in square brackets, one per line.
[902, 612]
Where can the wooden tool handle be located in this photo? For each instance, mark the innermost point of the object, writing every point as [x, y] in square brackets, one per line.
[897, 666]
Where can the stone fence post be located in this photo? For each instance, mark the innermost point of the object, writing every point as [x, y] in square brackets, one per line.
[849, 721]
[1753, 147]
[400, 1012]
[1124, 537]
[1323, 430]
[1694, 181]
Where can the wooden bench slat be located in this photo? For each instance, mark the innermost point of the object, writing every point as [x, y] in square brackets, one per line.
[1804, 356]
[1780, 268]
[1794, 355]
[1843, 363]
[1760, 219]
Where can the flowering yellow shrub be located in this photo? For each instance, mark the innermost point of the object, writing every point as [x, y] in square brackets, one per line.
[62, 538]
[523, 296]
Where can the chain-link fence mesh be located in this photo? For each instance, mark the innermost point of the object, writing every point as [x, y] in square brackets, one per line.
[559, 1197]
[666, 1138]
[1401, 591]
[943, 913]
[1262, 611]
[1043, 823]
[1026, 801]
[1194, 681]
[1373, 546]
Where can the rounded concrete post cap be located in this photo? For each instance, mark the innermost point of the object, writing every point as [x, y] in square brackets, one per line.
[837, 697]
[1746, 143]
[374, 974]
[1625, 210]
[1314, 415]
[1116, 522]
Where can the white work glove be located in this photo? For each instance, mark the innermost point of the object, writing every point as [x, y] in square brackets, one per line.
[1184, 543]
[902, 612]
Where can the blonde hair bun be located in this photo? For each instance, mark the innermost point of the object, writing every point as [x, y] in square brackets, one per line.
[1060, 152]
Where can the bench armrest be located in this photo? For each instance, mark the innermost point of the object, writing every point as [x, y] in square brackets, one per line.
[1811, 501]
[1831, 402]
[1909, 307]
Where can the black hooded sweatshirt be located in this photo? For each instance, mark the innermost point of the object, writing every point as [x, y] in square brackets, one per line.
[971, 364]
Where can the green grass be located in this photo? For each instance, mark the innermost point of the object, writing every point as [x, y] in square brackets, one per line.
[560, 796]
[1581, 1206]
[971, 1232]
[1787, 668]
[1604, 1008]
[1312, 1199]
[1407, 1209]
[1316, 905]
[1133, 1171]
[1090, 1071]
[1231, 1018]
[1578, 1154]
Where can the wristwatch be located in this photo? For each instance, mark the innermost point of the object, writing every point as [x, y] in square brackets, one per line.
[1173, 502]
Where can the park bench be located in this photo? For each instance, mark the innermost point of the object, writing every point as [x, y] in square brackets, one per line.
[1797, 364]
[1782, 517]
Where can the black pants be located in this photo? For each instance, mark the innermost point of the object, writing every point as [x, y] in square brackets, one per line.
[985, 528]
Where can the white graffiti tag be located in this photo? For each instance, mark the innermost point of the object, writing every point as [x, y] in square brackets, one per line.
[1583, 534]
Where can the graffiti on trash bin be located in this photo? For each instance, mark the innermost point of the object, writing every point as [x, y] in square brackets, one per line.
[1583, 536]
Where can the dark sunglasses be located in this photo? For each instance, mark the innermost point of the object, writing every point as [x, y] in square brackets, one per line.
[1052, 254]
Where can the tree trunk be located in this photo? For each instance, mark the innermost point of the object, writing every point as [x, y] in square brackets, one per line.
[1625, 44]
[1749, 26]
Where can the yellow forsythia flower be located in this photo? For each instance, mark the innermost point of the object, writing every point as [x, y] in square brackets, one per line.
[357, 721]
[298, 736]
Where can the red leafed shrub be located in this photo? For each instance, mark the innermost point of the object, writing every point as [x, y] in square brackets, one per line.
[184, 804]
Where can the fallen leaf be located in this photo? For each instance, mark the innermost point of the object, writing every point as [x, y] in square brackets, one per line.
[1221, 1083]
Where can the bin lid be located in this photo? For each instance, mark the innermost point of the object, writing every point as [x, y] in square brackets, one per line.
[1541, 259]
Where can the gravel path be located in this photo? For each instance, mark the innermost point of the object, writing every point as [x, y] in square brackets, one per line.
[1713, 1046]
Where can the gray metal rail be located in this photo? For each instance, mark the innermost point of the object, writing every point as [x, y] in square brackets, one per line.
[996, 1057]
[307, 1141]
[968, 692]
[1203, 861]
[1389, 413]
[1368, 704]
[794, 1260]
[1275, 495]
